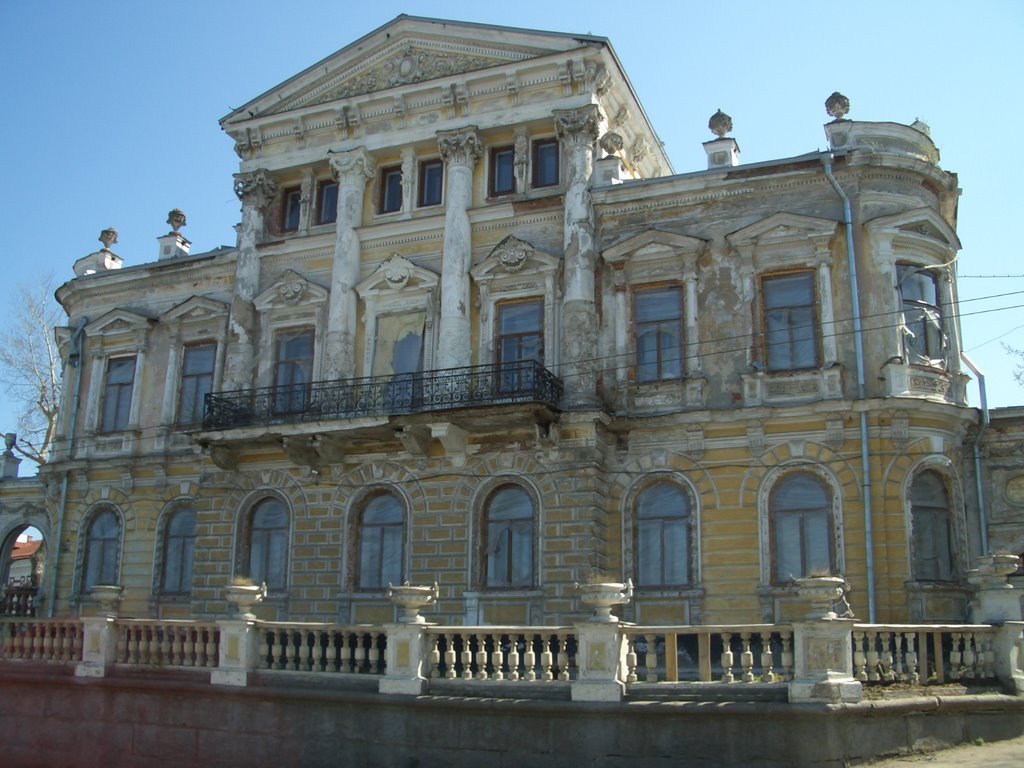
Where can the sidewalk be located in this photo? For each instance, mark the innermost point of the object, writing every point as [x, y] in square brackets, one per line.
[997, 754]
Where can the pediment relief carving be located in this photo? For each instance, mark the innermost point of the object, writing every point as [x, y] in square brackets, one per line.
[290, 290]
[397, 275]
[921, 224]
[783, 228]
[513, 257]
[118, 321]
[407, 60]
[652, 244]
[197, 309]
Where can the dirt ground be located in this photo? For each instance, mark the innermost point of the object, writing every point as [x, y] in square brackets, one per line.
[996, 754]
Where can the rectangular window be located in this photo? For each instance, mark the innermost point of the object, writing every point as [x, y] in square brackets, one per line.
[790, 321]
[519, 343]
[545, 163]
[117, 394]
[196, 381]
[290, 212]
[431, 183]
[923, 338]
[327, 212]
[503, 176]
[293, 370]
[390, 190]
[659, 333]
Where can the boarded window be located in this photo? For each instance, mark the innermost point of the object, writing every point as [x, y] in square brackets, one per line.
[930, 527]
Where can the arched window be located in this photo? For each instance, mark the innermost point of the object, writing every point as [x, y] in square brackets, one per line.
[930, 528]
[508, 546]
[663, 536]
[800, 508]
[179, 552]
[102, 549]
[381, 542]
[268, 544]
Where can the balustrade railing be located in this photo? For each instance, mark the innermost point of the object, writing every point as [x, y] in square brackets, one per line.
[167, 644]
[18, 600]
[752, 653]
[525, 381]
[41, 639]
[526, 654]
[321, 648]
[923, 654]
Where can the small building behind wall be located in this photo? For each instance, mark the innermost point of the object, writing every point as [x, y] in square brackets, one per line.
[476, 330]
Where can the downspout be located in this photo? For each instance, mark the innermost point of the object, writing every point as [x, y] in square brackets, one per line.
[75, 359]
[858, 344]
[982, 427]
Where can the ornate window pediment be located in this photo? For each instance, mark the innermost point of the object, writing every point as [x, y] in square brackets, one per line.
[515, 269]
[655, 250]
[119, 325]
[202, 316]
[400, 316]
[784, 239]
[289, 291]
[922, 232]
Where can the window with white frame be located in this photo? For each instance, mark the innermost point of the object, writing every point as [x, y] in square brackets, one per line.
[118, 385]
[381, 541]
[931, 529]
[102, 549]
[658, 330]
[508, 529]
[197, 367]
[663, 536]
[178, 552]
[800, 515]
[924, 342]
[791, 337]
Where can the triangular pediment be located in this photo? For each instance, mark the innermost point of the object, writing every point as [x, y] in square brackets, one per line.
[195, 309]
[783, 228]
[652, 243]
[118, 321]
[290, 290]
[405, 51]
[395, 275]
[919, 223]
[513, 256]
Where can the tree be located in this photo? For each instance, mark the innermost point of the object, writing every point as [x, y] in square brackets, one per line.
[1018, 373]
[30, 367]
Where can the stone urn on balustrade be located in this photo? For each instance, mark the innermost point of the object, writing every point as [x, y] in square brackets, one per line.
[243, 595]
[108, 597]
[602, 596]
[822, 592]
[411, 599]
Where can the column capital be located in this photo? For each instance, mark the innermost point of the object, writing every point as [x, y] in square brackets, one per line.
[255, 188]
[352, 166]
[460, 147]
[578, 126]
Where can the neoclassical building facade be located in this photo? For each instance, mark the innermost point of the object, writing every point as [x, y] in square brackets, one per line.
[477, 331]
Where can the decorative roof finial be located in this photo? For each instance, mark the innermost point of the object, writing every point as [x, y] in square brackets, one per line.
[720, 124]
[108, 237]
[176, 218]
[837, 105]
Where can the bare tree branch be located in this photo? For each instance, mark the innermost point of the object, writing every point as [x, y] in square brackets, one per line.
[1018, 373]
[30, 367]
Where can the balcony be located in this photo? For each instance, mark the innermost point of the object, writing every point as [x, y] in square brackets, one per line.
[524, 382]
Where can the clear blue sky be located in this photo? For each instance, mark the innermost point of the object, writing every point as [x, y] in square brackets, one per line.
[111, 109]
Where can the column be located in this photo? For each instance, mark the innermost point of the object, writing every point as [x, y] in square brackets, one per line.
[96, 385]
[577, 131]
[352, 170]
[172, 378]
[140, 369]
[694, 367]
[828, 326]
[460, 150]
[255, 190]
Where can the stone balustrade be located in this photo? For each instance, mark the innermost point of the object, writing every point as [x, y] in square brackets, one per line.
[166, 643]
[525, 654]
[41, 640]
[311, 647]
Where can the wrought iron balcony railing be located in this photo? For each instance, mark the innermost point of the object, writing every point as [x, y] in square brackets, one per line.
[441, 390]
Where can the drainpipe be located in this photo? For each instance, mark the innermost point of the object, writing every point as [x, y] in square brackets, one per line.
[982, 426]
[858, 344]
[75, 359]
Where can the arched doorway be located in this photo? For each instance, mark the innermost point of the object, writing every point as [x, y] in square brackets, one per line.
[22, 564]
